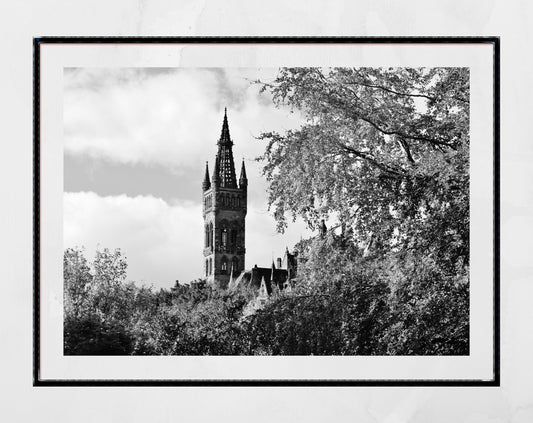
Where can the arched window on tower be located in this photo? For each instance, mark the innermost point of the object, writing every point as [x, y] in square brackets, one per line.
[228, 204]
[235, 264]
[206, 234]
[224, 265]
[207, 267]
[210, 236]
[210, 266]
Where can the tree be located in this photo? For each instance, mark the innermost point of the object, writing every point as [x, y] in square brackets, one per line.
[383, 151]
[111, 296]
[429, 308]
[384, 154]
[88, 335]
[105, 315]
[77, 280]
[344, 316]
[99, 305]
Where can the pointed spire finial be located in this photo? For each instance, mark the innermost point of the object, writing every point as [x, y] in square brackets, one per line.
[225, 138]
[207, 183]
[216, 171]
[226, 166]
[243, 179]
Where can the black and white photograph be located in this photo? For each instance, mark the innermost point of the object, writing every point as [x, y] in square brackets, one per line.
[266, 211]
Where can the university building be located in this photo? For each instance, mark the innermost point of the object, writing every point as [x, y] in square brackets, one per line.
[224, 212]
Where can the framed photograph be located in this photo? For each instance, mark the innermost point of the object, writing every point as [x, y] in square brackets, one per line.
[266, 211]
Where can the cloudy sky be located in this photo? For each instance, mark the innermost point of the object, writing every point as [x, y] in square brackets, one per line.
[136, 143]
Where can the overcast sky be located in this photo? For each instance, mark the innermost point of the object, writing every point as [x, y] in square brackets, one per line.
[136, 143]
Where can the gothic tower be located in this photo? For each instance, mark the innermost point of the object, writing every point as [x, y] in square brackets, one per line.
[224, 211]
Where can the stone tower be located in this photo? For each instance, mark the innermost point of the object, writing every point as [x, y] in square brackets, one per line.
[224, 211]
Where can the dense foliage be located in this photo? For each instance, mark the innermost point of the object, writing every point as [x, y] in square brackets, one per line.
[359, 311]
[382, 157]
[384, 151]
[106, 315]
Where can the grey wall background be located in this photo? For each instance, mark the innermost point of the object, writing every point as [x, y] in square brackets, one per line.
[512, 402]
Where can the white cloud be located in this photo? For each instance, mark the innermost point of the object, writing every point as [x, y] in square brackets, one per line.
[162, 241]
[169, 117]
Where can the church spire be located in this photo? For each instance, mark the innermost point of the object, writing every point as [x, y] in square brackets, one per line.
[207, 183]
[224, 134]
[243, 180]
[226, 167]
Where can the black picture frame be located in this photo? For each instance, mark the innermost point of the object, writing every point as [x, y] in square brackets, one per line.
[38, 42]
